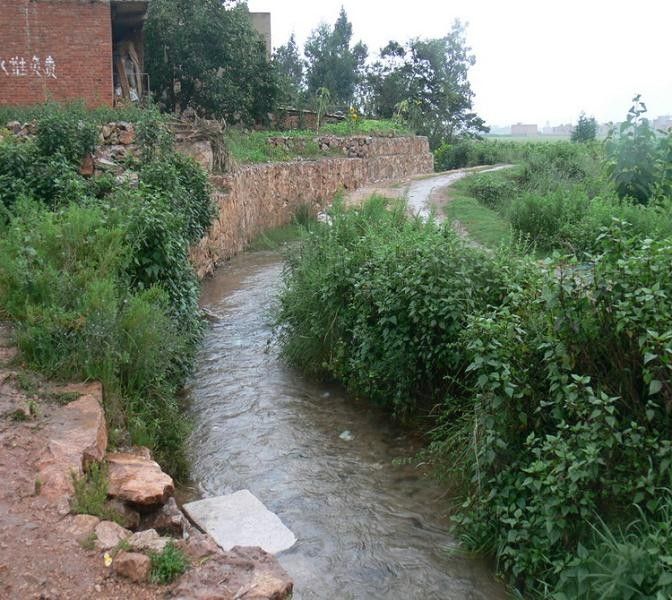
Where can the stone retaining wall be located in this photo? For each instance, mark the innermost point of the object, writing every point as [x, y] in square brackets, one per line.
[260, 197]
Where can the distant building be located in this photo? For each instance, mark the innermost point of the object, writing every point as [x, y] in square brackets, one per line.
[262, 23]
[663, 123]
[523, 130]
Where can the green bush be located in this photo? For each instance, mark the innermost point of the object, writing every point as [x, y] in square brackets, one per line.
[97, 276]
[471, 153]
[69, 133]
[378, 301]
[494, 190]
[570, 387]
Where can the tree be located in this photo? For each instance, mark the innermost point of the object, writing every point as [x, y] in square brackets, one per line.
[206, 54]
[427, 79]
[289, 67]
[638, 158]
[332, 63]
[585, 130]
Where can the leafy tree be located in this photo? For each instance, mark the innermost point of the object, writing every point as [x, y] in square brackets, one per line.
[332, 63]
[426, 81]
[289, 67]
[206, 54]
[636, 156]
[585, 130]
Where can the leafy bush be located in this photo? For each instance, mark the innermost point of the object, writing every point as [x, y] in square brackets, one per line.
[471, 153]
[639, 159]
[494, 190]
[68, 133]
[378, 301]
[97, 276]
[570, 386]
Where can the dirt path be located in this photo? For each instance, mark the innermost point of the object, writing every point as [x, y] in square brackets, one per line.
[38, 557]
[426, 195]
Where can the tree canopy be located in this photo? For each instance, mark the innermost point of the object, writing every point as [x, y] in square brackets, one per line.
[206, 54]
[331, 61]
[289, 66]
[585, 130]
[426, 81]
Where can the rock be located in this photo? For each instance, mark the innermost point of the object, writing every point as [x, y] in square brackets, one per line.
[240, 519]
[130, 518]
[200, 151]
[87, 167]
[199, 546]
[133, 566]
[168, 519]
[80, 527]
[138, 479]
[104, 164]
[148, 541]
[14, 127]
[77, 437]
[109, 534]
[242, 573]
[106, 131]
[126, 138]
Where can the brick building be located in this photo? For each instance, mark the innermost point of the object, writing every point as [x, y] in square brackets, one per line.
[67, 50]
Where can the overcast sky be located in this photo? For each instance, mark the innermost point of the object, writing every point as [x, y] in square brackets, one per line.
[537, 60]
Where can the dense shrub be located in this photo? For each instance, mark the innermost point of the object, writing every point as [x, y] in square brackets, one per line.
[571, 384]
[494, 190]
[550, 388]
[378, 301]
[471, 153]
[96, 273]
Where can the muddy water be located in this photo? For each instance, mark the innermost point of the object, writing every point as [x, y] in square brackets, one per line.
[367, 528]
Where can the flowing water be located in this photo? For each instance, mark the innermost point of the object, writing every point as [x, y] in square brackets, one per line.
[367, 527]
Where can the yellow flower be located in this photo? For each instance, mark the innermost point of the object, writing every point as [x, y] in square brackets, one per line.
[107, 559]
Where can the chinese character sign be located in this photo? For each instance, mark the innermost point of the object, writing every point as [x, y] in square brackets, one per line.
[19, 66]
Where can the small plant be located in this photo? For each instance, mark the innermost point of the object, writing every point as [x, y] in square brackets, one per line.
[91, 494]
[168, 565]
[89, 542]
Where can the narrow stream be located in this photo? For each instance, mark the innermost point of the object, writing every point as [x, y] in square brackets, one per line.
[367, 528]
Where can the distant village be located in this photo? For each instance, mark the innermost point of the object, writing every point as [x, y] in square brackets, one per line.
[532, 130]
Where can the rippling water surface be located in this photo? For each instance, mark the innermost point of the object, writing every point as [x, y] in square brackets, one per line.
[366, 527]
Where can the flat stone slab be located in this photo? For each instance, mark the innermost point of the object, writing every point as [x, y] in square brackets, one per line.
[241, 519]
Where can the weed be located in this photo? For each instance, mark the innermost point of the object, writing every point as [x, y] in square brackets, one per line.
[90, 494]
[168, 565]
[89, 542]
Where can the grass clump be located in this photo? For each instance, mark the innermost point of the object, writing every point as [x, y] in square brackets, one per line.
[168, 565]
[90, 494]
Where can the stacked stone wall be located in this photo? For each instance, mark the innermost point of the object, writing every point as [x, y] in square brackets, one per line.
[256, 198]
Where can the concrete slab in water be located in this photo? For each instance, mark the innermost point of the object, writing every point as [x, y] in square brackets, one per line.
[241, 519]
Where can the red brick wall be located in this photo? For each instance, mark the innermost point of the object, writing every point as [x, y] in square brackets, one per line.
[76, 34]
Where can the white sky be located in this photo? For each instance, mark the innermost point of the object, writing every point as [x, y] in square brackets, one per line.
[537, 60]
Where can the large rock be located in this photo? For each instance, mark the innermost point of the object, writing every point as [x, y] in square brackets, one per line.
[136, 478]
[168, 519]
[80, 527]
[133, 566]
[241, 519]
[109, 535]
[248, 573]
[77, 437]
